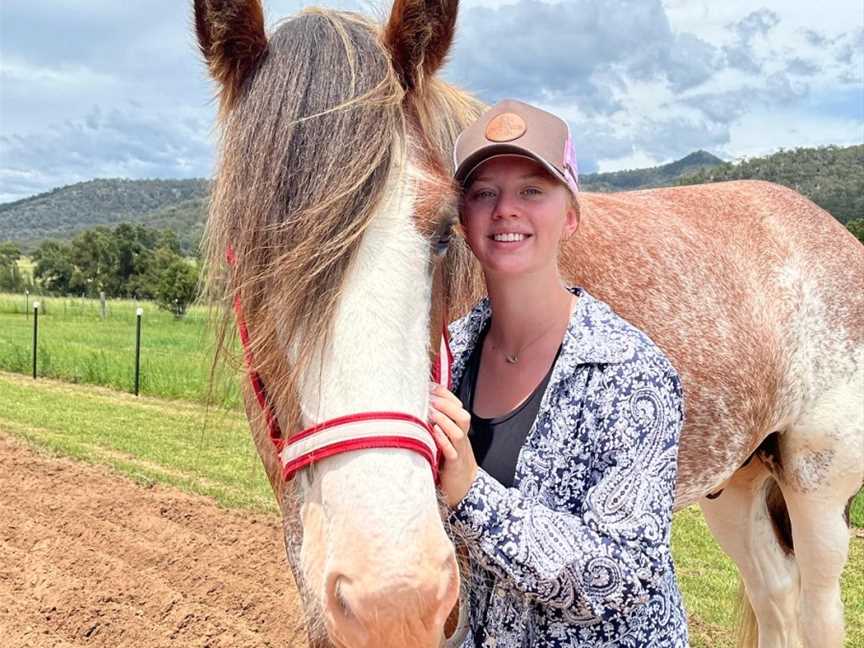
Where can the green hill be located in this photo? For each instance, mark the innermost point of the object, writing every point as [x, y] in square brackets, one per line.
[660, 176]
[61, 213]
[185, 218]
[830, 176]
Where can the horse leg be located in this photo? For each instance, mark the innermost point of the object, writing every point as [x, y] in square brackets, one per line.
[742, 521]
[822, 467]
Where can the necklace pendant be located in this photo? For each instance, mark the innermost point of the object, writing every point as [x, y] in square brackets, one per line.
[511, 359]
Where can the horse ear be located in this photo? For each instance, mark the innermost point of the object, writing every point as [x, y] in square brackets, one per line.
[418, 35]
[232, 39]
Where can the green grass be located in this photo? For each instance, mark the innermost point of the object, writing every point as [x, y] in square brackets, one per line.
[181, 445]
[185, 445]
[856, 512]
[76, 345]
[709, 583]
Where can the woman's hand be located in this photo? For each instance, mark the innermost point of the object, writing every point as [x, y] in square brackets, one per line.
[450, 423]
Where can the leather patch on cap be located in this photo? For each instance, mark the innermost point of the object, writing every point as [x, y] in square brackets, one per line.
[505, 127]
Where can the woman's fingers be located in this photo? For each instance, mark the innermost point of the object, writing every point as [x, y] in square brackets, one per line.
[454, 410]
[442, 392]
[445, 447]
[452, 428]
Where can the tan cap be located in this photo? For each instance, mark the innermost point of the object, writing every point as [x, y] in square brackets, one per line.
[515, 128]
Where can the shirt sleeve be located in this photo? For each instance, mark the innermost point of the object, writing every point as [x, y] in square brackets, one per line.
[603, 554]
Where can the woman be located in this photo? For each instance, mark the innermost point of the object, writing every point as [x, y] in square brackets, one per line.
[561, 437]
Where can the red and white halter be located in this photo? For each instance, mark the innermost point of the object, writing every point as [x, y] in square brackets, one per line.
[345, 433]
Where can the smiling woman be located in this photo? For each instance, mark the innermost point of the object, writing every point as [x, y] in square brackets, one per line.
[516, 185]
[601, 492]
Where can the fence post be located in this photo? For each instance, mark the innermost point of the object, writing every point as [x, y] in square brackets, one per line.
[35, 334]
[102, 304]
[138, 313]
[27, 303]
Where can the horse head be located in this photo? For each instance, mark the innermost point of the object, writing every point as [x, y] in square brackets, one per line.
[334, 203]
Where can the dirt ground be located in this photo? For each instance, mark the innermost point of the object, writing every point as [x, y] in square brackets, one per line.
[88, 558]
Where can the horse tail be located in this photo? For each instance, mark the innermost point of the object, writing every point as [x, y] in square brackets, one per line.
[747, 625]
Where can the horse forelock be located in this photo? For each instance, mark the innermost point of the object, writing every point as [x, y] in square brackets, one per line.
[304, 160]
[436, 117]
[306, 155]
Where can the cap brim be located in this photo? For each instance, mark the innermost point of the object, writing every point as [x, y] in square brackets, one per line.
[469, 165]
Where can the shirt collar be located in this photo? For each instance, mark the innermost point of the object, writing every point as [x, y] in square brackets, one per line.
[595, 334]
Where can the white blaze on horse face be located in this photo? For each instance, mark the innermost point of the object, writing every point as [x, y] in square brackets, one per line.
[377, 358]
[388, 567]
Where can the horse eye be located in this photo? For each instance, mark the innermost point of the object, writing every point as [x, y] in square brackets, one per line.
[444, 231]
[442, 241]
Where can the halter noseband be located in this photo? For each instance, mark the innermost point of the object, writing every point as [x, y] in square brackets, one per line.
[359, 431]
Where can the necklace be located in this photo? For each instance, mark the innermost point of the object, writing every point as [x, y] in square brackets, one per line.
[514, 358]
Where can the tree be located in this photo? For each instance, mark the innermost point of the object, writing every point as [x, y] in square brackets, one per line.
[10, 273]
[178, 285]
[95, 253]
[134, 244]
[168, 240]
[127, 261]
[53, 267]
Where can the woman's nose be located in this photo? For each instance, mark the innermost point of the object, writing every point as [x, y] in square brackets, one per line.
[505, 207]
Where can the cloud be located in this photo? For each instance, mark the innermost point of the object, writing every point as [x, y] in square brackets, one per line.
[578, 50]
[99, 87]
[690, 61]
[757, 23]
[130, 142]
[801, 67]
[630, 82]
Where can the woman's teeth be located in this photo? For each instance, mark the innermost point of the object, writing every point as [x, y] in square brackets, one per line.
[509, 237]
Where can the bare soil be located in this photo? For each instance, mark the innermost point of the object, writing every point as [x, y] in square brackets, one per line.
[88, 558]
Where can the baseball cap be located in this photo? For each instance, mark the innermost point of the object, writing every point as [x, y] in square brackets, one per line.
[515, 128]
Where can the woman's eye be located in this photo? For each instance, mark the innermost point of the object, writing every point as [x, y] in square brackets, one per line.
[532, 191]
[483, 194]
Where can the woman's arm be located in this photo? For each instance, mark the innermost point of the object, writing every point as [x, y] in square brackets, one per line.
[605, 553]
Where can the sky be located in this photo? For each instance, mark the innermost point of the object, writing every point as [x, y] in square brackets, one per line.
[101, 88]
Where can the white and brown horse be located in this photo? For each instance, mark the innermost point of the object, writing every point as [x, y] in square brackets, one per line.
[334, 204]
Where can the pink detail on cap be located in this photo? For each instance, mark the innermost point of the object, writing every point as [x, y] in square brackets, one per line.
[571, 168]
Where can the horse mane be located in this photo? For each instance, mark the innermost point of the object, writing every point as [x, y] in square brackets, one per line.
[442, 111]
[305, 155]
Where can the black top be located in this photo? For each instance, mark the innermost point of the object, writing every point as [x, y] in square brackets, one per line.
[497, 441]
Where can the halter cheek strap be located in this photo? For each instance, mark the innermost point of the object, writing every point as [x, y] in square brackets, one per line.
[345, 433]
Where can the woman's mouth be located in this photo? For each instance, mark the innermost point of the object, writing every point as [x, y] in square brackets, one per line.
[509, 237]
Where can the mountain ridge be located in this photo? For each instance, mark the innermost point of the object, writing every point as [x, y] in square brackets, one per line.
[649, 177]
[830, 176]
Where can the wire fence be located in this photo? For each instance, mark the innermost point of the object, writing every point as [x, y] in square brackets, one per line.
[112, 342]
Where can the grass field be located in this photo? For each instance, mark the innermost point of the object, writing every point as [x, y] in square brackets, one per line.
[184, 445]
[78, 346]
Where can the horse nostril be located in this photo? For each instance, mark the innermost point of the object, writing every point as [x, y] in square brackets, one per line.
[343, 624]
[339, 597]
[336, 600]
[448, 590]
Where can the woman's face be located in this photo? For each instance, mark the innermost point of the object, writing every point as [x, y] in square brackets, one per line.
[514, 214]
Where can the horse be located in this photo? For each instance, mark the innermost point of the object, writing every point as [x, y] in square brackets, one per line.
[333, 243]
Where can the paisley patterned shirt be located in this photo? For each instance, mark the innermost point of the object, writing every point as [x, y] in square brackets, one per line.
[577, 552]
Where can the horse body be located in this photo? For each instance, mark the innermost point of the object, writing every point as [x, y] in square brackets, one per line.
[755, 294]
[752, 291]
[334, 193]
